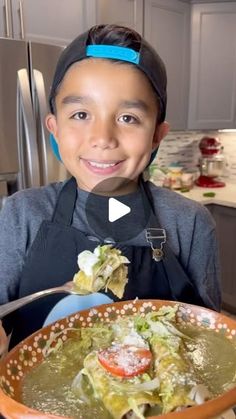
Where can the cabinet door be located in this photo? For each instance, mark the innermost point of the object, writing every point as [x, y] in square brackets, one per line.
[166, 27]
[50, 21]
[225, 218]
[123, 12]
[5, 19]
[213, 66]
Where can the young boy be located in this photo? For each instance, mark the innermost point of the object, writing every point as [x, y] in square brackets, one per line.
[108, 104]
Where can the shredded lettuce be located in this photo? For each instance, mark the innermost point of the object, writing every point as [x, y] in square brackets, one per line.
[159, 323]
[98, 336]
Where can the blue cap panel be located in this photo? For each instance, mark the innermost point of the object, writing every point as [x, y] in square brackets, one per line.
[54, 146]
[114, 52]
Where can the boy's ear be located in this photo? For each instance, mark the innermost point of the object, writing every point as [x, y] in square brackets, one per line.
[160, 132]
[51, 124]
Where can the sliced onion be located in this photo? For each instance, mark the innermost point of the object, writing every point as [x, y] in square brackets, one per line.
[78, 387]
[199, 394]
[145, 386]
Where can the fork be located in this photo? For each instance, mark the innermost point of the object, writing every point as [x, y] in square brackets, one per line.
[67, 288]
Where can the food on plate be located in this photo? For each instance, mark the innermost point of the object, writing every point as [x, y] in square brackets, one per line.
[171, 364]
[133, 367]
[104, 268]
[119, 396]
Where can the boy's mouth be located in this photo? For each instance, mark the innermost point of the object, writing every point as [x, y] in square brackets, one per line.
[102, 166]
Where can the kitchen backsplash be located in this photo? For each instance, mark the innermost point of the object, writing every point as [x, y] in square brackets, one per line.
[182, 147]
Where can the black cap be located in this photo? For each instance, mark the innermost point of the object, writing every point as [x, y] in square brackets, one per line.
[146, 59]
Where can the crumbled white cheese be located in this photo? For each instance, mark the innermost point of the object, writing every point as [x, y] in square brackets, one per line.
[133, 338]
[97, 251]
[86, 261]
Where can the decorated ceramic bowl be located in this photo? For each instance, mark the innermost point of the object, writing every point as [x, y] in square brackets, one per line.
[31, 354]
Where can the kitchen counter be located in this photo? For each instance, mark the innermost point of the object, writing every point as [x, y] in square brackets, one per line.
[225, 196]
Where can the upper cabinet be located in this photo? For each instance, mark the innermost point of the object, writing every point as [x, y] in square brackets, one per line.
[167, 28]
[58, 21]
[48, 21]
[201, 86]
[123, 12]
[165, 24]
[6, 29]
[212, 99]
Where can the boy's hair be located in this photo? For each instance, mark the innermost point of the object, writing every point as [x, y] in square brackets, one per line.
[128, 47]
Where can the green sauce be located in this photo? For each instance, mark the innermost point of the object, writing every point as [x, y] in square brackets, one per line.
[213, 357]
[47, 387]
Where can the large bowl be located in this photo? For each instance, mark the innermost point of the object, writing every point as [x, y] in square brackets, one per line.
[29, 353]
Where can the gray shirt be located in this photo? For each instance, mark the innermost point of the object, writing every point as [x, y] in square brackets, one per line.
[189, 227]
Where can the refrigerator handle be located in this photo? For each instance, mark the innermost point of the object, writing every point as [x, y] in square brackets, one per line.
[7, 23]
[26, 134]
[21, 16]
[40, 106]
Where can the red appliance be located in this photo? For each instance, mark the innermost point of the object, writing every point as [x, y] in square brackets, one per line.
[211, 163]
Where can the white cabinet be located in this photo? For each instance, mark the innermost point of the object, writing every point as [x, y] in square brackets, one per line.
[51, 21]
[212, 100]
[165, 24]
[5, 19]
[60, 21]
[167, 28]
[123, 12]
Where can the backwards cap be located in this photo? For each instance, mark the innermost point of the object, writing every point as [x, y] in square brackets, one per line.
[146, 59]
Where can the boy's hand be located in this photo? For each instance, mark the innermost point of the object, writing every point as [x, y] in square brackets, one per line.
[3, 341]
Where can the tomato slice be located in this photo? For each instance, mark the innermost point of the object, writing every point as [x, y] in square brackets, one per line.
[125, 360]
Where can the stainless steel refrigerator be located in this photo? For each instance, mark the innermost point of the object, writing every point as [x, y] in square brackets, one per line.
[26, 159]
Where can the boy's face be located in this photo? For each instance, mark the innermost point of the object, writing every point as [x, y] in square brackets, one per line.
[105, 123]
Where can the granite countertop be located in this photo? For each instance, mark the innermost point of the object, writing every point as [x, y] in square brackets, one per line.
[223, 196]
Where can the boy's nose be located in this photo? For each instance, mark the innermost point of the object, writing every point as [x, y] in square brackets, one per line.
[103, 135]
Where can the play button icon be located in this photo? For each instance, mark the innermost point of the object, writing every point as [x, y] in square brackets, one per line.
[116, 210]
[119, 217]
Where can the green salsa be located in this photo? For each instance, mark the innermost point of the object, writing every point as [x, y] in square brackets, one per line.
[47, 387]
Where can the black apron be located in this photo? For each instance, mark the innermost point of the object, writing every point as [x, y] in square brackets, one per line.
[52, 261]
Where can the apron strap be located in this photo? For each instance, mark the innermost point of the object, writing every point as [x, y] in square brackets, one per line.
[145, 191]
[63, 214]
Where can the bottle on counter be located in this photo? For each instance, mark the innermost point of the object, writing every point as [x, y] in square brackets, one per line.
[175, 176]
[187, 180]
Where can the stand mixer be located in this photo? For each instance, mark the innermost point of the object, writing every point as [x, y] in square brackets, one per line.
[211, 163]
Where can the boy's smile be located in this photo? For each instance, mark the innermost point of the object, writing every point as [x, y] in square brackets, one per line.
[105, 122]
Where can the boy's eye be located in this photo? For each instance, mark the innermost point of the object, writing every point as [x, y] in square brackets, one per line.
[128, 119]
[80, 115]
